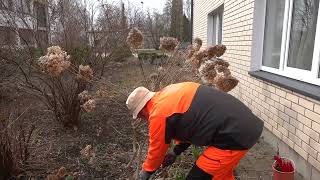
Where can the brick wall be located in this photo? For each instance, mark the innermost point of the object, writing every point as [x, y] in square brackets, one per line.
[293, 118]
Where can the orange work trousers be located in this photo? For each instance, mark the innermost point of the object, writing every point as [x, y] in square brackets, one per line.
[220, 163]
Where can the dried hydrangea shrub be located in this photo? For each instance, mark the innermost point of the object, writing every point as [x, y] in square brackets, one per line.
[85, 73]
[135, 38]
[168, 43]
[55, 61]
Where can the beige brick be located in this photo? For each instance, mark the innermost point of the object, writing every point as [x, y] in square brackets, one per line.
[301, 152]
[302, 136]
[295, 139]
[273, 123]
[316, 127]
[289, 127]
[312, 115]
[270, 101]
[305, 103]
[285, 102]
[278, 120]
[268, 126]
[275, 97]
[284, 116]
[277, 133]
[291, 113]
[315, 145]
[288, 141]
[309, 150]
[266, 93]
[279, 106]
[316, 108]
[296, 124]
[281, 93]
[298, 108]
[314, 162]
[304, 120]
[292, 97]
[271, 89]
[274, 111]
[311, 133]
[283, 131]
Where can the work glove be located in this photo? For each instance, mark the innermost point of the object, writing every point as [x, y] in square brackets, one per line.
[144, 175]
[169, 159]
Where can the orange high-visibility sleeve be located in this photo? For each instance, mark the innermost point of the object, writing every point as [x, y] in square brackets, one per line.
[157, 147]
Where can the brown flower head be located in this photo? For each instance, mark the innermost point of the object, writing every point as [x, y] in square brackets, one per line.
[154, 76]
[62, 172]
[197, 43]
[190, 51]
[216, 51]
[135, 38]
[168, 43]
[225, 83]
[221, 68]
[89, 106]
[55, 61]
[221, 62]
[88, 153]
[84, 96]
[197, 59]
[208, 72]
[85, 73]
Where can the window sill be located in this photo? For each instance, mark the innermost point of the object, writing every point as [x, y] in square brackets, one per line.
[300, 87]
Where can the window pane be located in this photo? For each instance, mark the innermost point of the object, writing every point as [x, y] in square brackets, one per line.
[273, 33]
[220, 28]
[303, 30]
[214, 33]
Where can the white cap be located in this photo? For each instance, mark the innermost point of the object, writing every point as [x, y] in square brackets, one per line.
[138, 99]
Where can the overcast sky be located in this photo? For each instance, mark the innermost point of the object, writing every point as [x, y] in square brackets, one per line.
[147, 4]
[151, 4]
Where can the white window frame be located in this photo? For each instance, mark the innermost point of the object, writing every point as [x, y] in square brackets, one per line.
[214, 26]
[295, 73]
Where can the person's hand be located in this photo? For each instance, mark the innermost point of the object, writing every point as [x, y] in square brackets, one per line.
[169, 159]
[144, 175]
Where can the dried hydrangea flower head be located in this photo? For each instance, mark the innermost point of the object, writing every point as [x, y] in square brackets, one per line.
[135, 38]
[208, 72]
[154, 76]
[89, 105]
[225, 83]
[197, 43]
[216, 51]
[168, 43]
[55, 61]
[190, 51]
[62, 172]
[88, 153]
[197, 59]
[85, 73]
[84, 96]
[221, 62]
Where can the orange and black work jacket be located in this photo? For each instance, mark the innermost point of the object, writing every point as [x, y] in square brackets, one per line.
[200, 115]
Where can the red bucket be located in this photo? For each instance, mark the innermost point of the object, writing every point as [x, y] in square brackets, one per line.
[278, 175]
